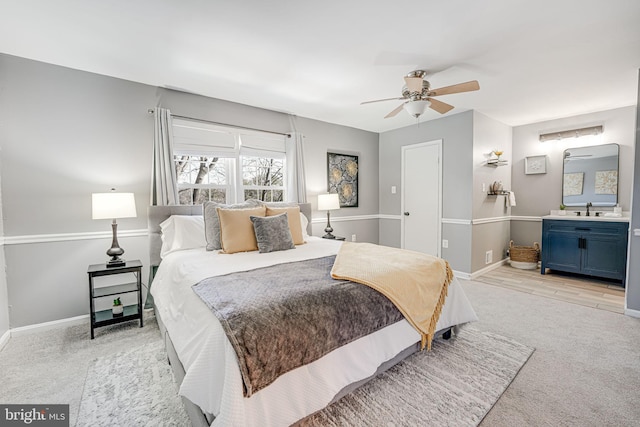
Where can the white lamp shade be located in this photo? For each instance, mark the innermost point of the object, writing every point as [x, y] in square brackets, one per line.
[113, 205]
[416, 108]
[328, 202]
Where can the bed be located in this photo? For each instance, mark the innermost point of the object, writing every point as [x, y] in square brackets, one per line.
[205, 363]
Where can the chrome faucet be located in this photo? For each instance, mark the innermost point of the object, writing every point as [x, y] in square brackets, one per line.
[588, 206]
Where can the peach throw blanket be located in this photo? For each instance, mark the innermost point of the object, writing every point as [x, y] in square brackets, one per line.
[416, 283]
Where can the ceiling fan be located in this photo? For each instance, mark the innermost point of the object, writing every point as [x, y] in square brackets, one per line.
[418, 95]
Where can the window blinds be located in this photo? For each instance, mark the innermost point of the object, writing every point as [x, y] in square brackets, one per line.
[199, 138]
[258, 144]
[202, 139]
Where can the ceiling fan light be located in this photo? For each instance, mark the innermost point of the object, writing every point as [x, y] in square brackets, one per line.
[416, 108]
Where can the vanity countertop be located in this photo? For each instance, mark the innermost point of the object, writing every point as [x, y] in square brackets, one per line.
[571, 216]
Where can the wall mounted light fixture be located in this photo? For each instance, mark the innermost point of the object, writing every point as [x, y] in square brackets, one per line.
[572, 133]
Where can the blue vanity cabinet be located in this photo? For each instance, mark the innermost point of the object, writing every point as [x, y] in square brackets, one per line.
[595, 248]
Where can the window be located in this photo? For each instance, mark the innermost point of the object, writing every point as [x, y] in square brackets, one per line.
[263, 178]
[202, 178]
[227, 165]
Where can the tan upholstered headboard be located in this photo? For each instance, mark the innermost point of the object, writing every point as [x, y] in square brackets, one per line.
[157, 214]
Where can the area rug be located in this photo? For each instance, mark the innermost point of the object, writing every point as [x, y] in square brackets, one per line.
[455, 384]
[132, 388]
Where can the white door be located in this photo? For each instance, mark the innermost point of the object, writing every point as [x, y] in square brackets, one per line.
[422, 197]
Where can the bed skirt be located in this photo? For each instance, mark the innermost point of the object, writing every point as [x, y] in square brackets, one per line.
[201, 419]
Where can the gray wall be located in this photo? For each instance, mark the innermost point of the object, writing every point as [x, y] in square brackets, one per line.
[321, 137]
[489, 135]
[4, 297]
[633, 270]
[467, 141]
[456, 132]
[538, 194]
[65, 134]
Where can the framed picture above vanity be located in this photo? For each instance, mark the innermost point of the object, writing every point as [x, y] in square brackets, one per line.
[535, 164]
[590, 175]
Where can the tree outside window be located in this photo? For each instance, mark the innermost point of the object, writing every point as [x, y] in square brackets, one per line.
[263, 178]
[206, 178]
[201, 179]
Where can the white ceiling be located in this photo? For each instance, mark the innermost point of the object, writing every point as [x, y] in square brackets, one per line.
[535, 60]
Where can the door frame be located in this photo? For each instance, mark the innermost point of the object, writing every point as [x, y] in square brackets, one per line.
[404, 148]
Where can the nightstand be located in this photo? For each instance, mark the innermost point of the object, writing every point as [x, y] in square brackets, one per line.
[336, 238]
[112, 291]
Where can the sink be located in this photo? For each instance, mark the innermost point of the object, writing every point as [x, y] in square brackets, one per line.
[572, 215]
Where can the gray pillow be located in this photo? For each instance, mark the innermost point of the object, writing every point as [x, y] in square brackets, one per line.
[212, 221]
[272, 233]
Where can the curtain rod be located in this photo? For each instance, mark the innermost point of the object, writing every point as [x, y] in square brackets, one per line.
[288, 135]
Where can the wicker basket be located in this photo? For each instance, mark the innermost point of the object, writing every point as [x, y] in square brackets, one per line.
[524, 253]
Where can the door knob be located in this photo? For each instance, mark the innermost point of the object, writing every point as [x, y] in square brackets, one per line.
[406, 214]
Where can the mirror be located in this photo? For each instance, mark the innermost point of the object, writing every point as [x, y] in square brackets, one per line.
[590, 174]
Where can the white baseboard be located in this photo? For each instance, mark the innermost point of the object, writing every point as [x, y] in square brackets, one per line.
[4, 339]
[462, 275]
[476, 274]
[61, 323]
[39, 327]
[632, 313]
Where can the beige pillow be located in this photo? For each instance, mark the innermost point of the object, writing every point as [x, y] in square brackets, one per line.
[236, 229]
[293, 215]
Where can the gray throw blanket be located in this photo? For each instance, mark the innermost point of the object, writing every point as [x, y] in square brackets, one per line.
[281, 317]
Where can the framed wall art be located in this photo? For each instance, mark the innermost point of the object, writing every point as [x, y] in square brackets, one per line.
[535, 164]
[572, 184]
[342, 178]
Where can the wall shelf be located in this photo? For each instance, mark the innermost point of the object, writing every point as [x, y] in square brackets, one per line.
[497, 162]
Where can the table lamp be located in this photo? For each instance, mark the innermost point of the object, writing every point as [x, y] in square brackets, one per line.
[328, 202]
[112, 206]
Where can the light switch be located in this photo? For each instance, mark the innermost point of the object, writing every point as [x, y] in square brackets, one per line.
[393, 189]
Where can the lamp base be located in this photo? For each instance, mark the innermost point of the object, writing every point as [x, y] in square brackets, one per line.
[116, 263]
[328, 229]
[115, 250]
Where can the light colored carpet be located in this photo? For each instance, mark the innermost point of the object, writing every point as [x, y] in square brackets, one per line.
[585, 370]
[132, 388]
[586, 367]
[455, 384]
[51, 366]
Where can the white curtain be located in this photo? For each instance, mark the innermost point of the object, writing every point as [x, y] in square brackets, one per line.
[164, 190]
[296, 182]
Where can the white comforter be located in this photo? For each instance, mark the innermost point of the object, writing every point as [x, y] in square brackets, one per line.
[213, 379]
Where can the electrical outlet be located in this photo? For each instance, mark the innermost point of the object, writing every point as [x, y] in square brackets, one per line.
[353, 237]
[488, 257]
[445, 243]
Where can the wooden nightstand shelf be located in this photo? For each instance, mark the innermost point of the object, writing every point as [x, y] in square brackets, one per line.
[131, 312]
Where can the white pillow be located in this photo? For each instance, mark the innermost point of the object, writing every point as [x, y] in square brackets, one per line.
[304, 222]
[180, 232]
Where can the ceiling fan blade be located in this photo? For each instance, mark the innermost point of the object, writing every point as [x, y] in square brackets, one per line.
[380, 100]
[394, 112]
[439, 106]
[460, 87]
[414, 84]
